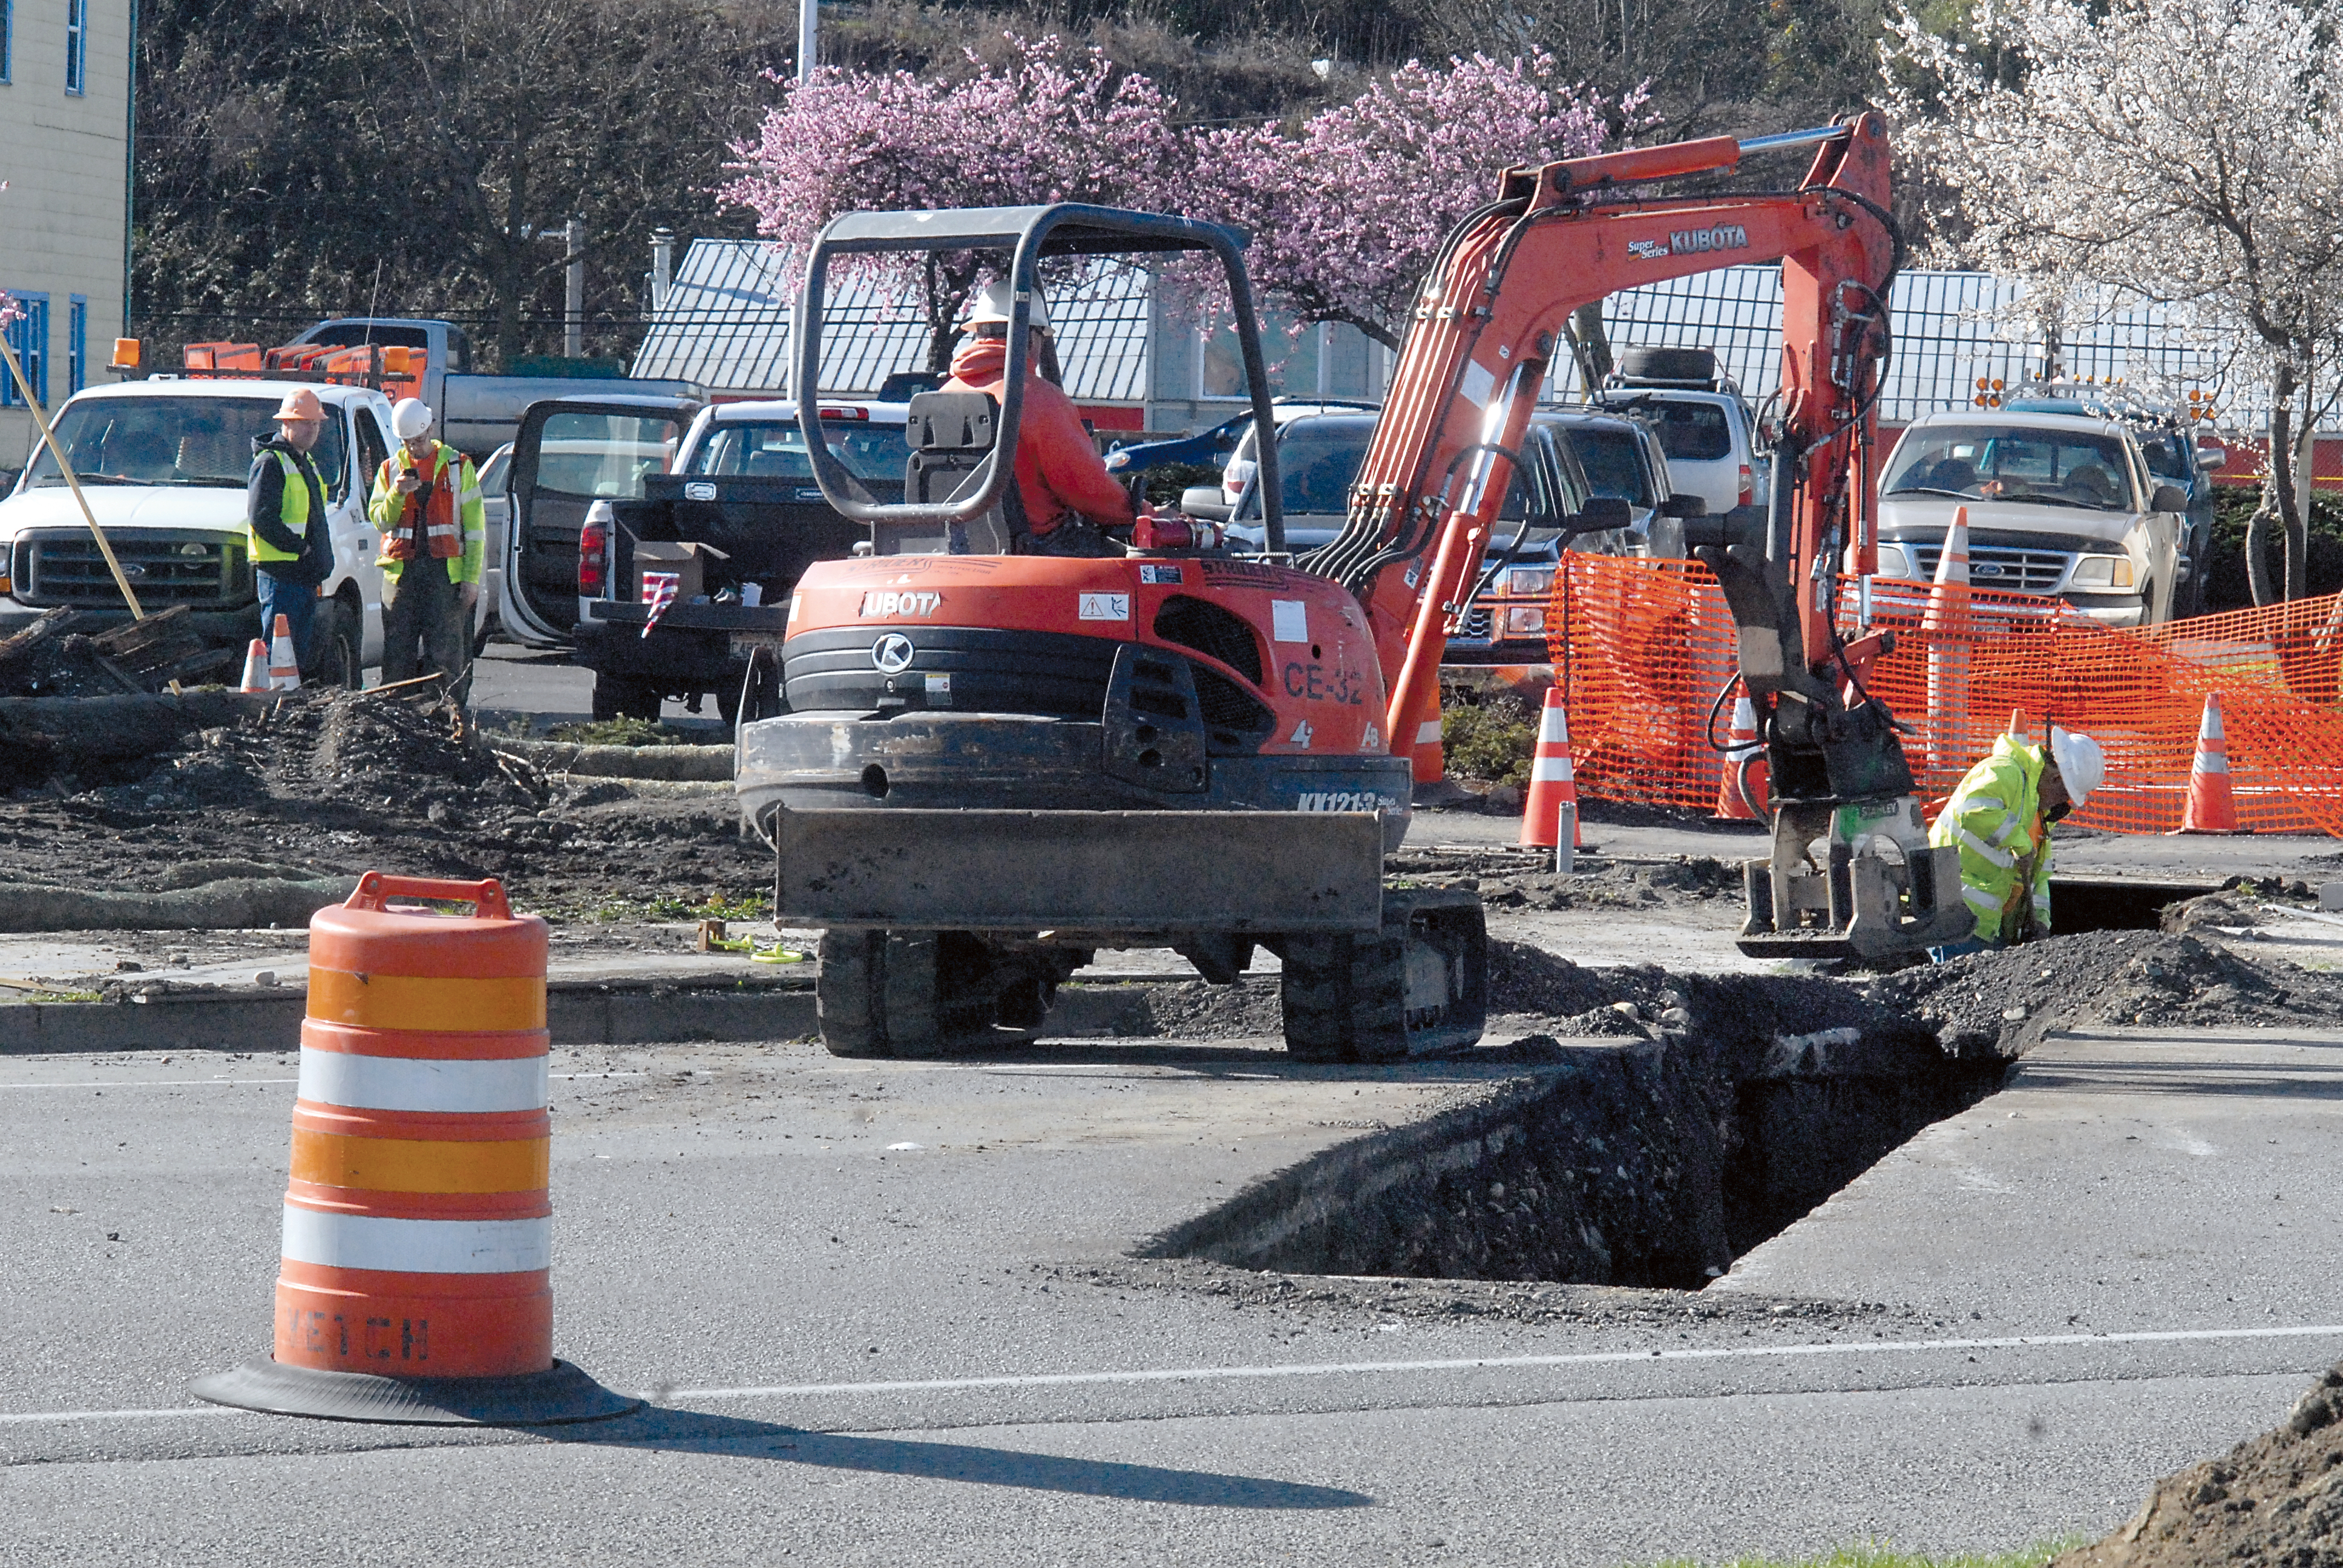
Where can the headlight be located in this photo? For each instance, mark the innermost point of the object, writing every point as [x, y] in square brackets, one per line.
[1530, 582]
[1524, 622]
[2102, 571]
[1894, 562]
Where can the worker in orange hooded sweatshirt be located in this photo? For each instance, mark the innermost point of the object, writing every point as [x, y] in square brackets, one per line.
[1068, 498]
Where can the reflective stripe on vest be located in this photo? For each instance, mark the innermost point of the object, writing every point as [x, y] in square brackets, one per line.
[292, 511]
[442, 538]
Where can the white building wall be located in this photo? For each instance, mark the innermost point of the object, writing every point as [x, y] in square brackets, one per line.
[65, 158]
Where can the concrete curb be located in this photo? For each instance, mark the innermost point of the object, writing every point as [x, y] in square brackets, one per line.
[589, 1013]
[673, 764]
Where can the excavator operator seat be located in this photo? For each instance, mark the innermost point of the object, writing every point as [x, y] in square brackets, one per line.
[950, 434]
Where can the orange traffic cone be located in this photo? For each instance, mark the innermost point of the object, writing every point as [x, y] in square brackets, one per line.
[1947, 630]
[2211, 809]
[256, 666]
[283, 670]
[1553, 787]
[417, 1236]
[2019, 727]
[1431, 759]
[1741, 745]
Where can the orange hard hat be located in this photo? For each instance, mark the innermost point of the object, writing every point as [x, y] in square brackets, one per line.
[300, 406]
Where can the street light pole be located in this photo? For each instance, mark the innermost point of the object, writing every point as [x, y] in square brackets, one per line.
[809, 11]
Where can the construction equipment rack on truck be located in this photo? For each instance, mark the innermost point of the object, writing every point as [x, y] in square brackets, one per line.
[994, 764]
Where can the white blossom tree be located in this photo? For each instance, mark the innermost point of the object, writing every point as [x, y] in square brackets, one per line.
[2180, 151]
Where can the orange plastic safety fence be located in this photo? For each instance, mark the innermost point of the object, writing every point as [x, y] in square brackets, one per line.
[1643, 648]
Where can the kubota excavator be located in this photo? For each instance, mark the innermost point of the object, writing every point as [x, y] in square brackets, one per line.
[979, 767]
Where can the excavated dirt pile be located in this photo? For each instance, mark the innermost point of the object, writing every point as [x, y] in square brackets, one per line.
[328, 784]
[1747, 1100]
[2002, 1003]
[2272, 1501]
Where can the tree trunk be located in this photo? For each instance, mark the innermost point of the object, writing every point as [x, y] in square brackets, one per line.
[2297, 536]
[2278, 486]
[2258, 533]
[511, 268]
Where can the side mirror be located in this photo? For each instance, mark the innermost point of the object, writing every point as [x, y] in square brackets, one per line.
[1600, 514]
[1204, 502]
[1683, 506]
[2168, 498]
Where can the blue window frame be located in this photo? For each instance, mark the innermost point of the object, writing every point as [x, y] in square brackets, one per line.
[28, 335]
[7, 39]
[76, 45]
[77, 343]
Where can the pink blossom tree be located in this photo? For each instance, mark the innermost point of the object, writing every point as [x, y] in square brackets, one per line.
[1347, 211]
[1048, 126]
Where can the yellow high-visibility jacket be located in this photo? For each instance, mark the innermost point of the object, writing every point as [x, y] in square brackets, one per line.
[1994, 819]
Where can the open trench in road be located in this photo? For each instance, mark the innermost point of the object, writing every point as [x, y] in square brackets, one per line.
[1654, 1162]
[1748, 1101]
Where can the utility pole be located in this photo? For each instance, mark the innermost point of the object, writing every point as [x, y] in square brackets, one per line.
[809, 11]
[573, 320]
[662, 266]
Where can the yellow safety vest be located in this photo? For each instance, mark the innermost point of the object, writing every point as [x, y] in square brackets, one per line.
[292, 511]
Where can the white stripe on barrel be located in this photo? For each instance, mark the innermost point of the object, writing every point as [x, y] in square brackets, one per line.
[417, 1246]
[409, 1083]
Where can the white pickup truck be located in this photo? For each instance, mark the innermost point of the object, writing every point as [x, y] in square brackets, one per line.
[164, 464]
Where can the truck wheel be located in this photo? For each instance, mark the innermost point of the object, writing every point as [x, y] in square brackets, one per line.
[1417, 988]
[618, 698]
[335, 648]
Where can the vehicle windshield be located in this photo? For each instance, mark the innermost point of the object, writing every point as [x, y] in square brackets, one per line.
[2161, 448]
[603, 456]
[775, 449]
[1613, 463]
[1318, 460]
[1688, 432]
[2004, 463]
[186, 441]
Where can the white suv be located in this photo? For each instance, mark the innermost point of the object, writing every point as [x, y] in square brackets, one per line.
[1703, 422]
[2059, 505]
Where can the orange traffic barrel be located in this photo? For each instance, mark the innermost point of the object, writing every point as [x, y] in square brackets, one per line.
[416, 1282]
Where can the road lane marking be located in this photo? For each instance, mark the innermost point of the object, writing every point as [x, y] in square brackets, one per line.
[242, 1082]
[1475, 1363]
[1345, 1369]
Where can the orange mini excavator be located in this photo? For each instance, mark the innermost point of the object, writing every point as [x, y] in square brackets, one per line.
[977, 768]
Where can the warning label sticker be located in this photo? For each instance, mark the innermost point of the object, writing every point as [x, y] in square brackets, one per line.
[1106, 607]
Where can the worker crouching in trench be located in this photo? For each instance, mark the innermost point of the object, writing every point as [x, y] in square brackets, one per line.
[1999, 819]
[427, 505]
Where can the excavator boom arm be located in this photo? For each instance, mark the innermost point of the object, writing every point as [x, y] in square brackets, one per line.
[1495, 307]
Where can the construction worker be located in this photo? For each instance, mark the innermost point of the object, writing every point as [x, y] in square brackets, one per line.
[1999, 819]
[292, 547]
[427, 503]
[1068, 498]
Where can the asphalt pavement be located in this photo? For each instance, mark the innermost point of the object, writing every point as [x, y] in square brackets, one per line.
[858, 1296]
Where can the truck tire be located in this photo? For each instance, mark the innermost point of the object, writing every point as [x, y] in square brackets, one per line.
[336, 645]
[616, 697]
[1418, 987]
[1648, 364]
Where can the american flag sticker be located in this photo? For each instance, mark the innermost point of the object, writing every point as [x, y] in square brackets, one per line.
[658, 592]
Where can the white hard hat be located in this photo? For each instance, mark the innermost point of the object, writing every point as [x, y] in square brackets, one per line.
[994, 306]
[2081, 766]
[410, 417]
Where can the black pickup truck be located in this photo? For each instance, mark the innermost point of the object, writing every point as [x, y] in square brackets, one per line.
[739, 520]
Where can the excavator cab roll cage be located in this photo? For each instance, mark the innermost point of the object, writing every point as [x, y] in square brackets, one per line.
[1032, 235]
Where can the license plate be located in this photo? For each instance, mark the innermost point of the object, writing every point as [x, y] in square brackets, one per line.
[748, 642]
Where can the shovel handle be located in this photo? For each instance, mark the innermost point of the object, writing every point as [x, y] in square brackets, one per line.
[487, 896]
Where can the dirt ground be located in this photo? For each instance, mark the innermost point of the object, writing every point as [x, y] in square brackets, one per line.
[2273, 1502]
[328, 784]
